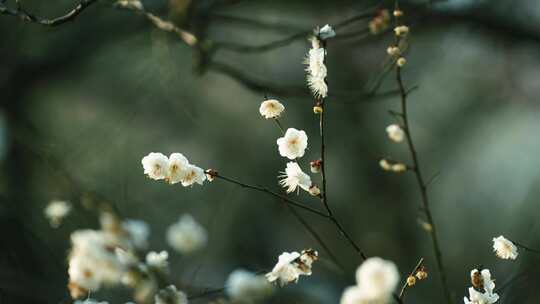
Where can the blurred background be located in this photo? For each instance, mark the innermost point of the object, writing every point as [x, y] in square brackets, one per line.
[82, 103]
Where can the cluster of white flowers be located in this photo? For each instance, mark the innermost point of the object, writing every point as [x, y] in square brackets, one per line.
[170, 295]
[504, 248]
[291, 265]
[376, 281]
[315, 66]
[482, 290]
[56, 211]
[247, 287]
[271, 108]
[173, 169]
[186, 235]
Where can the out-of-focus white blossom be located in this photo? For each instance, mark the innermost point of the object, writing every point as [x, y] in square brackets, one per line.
[325, 32]
[294, 178]
[170, 295]
[395, 133]
[293, 144]
[401, 30]
[186, 235]
[401, 62]
[482, 291]
[177, 168]
[158, 260]
[316, 69]
[56, 211]
[155, 165]
[388, 165]
[246, 287]
[291, 266]
[271, 108]
[376, 281]
[504, 248]
[139, 231]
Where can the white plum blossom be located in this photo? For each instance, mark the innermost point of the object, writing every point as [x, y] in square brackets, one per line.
[170, 295]
[294, 178]
[158, 259]
[271, 108]
[155, 165]
[325, 32]
[376, 281]
[316, 69]
[395, 133]
[291, 265]
[246, 287]
[177, 168]
[56, 211]
[139, 231]
[194, 175]
[504, 248]
[186, 235]
[293, 144]
[482, 291]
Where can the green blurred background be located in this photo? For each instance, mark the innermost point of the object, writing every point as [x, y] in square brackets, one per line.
[84, 102]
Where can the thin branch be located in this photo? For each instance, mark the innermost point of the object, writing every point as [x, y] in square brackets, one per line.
[526, 248]
[267, 191]
[405, 285]
[23, 15]
[419, 178]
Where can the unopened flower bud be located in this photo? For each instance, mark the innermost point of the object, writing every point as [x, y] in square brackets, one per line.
[393, 51]
[395, 133]
[401, 62]
[318, 109]
[401, 30]
[211, 174]
[411, 280]
[314, 190]
[398, 13]
[385, 165]
[315, 166]
[399, 167]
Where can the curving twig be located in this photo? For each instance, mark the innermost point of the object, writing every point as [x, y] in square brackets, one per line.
[26, 16]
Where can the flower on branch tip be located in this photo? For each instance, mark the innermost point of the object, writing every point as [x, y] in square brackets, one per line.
[186, 235]
[56, 211]
[325, 32]
[291, 266]
[395, 133]
[293, 144]
[294, 178]
[173, 169]
[504, 248]
[271, 108]
[316, 69]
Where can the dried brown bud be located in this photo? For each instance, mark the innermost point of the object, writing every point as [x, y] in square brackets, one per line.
[211, 174]
[315, 166]
[411, 280]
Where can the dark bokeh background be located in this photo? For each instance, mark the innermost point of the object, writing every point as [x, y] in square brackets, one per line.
[84, 102]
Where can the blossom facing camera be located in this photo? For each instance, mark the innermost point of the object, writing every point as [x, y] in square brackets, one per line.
[186, 235]
[155, 165]
[271, 108]
[395, 133]
[56, 211]
[194, 175]
[504, 248]
[294, 178]
[247, 287]
[293, 144]
[177, 168]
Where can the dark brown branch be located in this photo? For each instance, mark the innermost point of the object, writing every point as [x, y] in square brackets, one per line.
[28, 17]
[526, 248]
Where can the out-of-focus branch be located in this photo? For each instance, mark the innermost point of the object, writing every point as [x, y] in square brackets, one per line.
[26, 16]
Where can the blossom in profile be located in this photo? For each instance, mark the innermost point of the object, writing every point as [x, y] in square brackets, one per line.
[294, 178]
[155, 165]
[56, 211]
[316, 69]
[194, 175]
[504, 248]
[170, 295]
[291, 265]
[325, 32]
[247, 287]
[271, 108]
[186, 235]
[177, 168]
[159, 260]
[395, 133]
[482, 290]
[293, 144]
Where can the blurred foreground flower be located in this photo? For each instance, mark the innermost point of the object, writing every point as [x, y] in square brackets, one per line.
[246, 287]
[56, 211]
[170, 295]
[186, 235]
